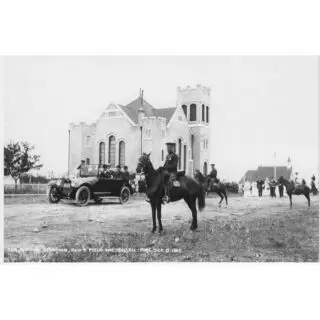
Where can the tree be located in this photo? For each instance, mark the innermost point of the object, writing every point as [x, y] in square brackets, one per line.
[19, 159]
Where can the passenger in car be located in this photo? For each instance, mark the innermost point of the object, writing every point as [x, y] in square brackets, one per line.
[125, 173]
[117, 174]
[106, 171]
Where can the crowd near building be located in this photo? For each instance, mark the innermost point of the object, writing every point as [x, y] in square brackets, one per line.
[122, 132]
[266, 175]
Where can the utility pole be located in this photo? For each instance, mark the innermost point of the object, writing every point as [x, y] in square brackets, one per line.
[140, 118]
[275, 168]
[69, 154]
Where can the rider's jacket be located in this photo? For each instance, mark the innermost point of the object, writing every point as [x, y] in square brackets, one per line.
[213, 174]
[171, 163]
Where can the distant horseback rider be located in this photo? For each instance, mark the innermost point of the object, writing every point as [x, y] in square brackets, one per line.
[213, 176]
[170, 169]
[296, 179]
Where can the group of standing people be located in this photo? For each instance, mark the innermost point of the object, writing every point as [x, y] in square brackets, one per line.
[262, 187]
[269, 185]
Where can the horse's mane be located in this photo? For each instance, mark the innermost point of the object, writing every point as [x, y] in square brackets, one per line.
[200, 176]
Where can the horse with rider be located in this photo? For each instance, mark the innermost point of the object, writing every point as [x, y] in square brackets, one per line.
[211, 183]
[166, 184]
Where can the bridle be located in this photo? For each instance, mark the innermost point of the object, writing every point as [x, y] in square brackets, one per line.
[143, 163]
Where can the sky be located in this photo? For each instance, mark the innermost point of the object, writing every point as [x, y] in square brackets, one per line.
[260, 105]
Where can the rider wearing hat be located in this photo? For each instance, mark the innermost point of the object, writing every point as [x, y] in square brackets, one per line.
[213, 173]
[170, 169]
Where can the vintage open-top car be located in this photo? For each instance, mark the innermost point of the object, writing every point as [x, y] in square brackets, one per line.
[90, 185]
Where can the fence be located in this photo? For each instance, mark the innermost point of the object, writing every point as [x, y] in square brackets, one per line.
[25, 188]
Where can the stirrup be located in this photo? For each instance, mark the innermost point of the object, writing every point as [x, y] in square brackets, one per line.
[166, 199]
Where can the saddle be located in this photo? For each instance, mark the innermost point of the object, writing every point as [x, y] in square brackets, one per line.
[181, 174]
[214, 182]
[298, 187]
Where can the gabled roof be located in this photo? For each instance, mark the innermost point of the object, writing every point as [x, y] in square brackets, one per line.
[165, 113]
[133, 107]
[267, 172]
[264, 172]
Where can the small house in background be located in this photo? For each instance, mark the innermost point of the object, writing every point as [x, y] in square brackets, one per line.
[268, 172]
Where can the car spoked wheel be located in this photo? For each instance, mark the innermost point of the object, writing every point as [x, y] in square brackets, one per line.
[124, 194]
[53, 194]
[83, 196]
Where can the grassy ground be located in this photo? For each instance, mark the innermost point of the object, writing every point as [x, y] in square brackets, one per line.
[266, 231]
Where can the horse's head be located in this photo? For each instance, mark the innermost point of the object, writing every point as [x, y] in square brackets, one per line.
[142, 162]
[198, 175]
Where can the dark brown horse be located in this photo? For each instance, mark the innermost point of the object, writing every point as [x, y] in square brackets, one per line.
[295, 190]
[190, 190]
[210, 186]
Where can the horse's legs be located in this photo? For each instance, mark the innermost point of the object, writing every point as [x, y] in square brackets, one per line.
[221, 196]
[191, 202]
[226, 197]
[153, 208]
[308, 198]
[290, 198]
[159, 216]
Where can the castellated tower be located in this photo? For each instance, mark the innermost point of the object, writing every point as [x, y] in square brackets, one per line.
[81, 148]
[196, 103]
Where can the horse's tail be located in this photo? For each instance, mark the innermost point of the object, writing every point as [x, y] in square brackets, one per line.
[201, 197]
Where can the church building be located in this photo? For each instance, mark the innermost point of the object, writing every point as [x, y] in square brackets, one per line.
[123, 132]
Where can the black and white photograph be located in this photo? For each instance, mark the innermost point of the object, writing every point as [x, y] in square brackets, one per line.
[116, 158]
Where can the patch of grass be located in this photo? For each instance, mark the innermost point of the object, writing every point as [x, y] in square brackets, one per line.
[287, 236]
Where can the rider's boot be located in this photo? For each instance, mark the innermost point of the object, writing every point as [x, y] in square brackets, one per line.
[166, 198]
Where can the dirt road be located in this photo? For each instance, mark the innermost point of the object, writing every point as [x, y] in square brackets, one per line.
[249, 229]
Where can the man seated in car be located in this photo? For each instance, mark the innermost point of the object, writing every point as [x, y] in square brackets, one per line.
[106, 172]
[125, 173]
[117, 174]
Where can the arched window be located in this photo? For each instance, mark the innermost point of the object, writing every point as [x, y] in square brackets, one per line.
[207, 114]
[112, 151]
[205, 168]
[121, 153]
[102, 153]
[184, 157]
[203, 113]
[193, 112]
[180, 153]
[184, 108]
